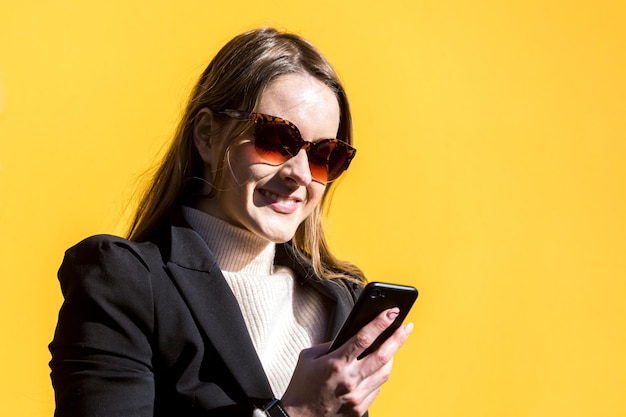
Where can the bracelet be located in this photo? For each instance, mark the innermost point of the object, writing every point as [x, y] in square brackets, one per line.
[275, 409]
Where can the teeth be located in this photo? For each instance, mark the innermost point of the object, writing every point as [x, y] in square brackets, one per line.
[278, 198]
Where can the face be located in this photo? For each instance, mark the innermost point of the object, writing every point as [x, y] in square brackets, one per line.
[272, 200]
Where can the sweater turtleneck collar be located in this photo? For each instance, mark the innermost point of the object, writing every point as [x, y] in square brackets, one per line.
[234, 248]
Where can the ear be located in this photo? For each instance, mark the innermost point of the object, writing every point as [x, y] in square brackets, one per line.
[202, 138]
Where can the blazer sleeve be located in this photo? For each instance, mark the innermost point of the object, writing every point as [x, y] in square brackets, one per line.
[101, 351]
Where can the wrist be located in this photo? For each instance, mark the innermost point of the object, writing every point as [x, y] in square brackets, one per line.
[275, 409]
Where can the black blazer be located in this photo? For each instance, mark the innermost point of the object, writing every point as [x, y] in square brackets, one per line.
[153, 329]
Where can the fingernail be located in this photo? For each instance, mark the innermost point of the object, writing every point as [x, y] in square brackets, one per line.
[393, 313]
[408, 328]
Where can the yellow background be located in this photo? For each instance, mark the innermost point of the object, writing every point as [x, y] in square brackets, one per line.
[491, 174]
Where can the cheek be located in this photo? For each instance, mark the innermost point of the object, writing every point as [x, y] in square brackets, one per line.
[315, 194]
[245, 152]
[242, 162]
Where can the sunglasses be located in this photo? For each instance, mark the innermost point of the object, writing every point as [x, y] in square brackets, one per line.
[277, 140]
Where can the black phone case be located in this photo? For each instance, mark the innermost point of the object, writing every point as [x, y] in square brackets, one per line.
[375, 298]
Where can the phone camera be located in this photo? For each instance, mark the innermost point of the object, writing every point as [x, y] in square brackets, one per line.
[377, 294]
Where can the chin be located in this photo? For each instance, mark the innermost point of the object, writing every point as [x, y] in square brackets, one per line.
[278, 236]
[280, 231]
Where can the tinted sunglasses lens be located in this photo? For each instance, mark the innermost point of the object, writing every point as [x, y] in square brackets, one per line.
[328, 159]
[275, 142]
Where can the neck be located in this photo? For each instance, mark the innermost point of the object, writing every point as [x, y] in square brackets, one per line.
[235, 249]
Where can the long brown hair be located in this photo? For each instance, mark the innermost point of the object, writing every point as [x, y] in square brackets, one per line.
[235, 79]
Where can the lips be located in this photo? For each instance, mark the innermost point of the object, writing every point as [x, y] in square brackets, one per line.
[280, 203]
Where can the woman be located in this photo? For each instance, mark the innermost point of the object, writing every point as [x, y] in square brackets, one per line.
[224, 296]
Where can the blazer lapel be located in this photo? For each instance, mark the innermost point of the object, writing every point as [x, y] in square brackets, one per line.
[200, 281]
[215, 309]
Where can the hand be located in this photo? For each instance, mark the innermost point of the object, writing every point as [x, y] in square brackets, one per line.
[337, 383]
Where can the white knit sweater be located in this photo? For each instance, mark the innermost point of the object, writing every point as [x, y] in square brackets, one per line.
[282, 317]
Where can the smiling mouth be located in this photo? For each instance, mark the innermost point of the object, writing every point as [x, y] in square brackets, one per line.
[278, 198]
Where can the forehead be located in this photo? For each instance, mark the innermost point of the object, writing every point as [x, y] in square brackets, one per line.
[305, 101]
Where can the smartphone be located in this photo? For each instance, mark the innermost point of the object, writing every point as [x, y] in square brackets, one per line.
[375, 298]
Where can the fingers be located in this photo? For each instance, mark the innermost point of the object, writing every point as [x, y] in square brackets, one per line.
[338, 383]
[363, 394]
[370, 332]
[375, 368]
[386, 351]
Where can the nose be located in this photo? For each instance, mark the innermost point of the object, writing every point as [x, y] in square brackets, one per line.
[297, 168]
